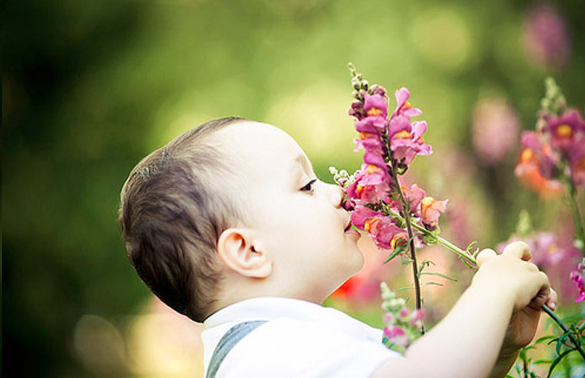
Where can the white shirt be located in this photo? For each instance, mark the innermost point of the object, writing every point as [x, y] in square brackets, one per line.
[301, 340]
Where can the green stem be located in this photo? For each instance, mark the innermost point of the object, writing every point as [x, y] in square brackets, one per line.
[554, 317]
[452, 247]
[406, 211]
[577, 219]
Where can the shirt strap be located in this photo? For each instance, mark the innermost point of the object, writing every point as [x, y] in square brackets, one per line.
[228, 341]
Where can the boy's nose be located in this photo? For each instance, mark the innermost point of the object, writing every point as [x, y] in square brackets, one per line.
[337, 195]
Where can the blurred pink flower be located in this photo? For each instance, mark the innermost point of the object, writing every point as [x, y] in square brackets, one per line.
[536, 165]
[577, 162]
[544, 248]
[545, 37]
[578, 278]
[495, 126]
[397, 336]
[416, 318]
[565, 130]
[554, 254]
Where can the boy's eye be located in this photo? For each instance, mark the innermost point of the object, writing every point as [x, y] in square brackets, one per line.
[309, 186]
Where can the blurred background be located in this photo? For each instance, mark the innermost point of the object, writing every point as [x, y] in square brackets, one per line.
[90, 87]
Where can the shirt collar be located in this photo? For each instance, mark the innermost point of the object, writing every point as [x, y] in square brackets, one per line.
[269, 308]
[265, 308]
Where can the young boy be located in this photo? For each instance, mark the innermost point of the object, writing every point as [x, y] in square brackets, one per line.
[228, 225]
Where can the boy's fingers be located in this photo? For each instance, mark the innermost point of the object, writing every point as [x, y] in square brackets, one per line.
[544, 294]
[518, 249]
[551, 302]
[485, 255]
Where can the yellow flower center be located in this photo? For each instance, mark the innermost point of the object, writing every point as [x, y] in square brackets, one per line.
[364, 135]
[564, 131]
[406, 105]
[402, 135]
[427, 201]
[375, 112]
[370, 223]
[397, 239]
[552, 249]
[371, 169]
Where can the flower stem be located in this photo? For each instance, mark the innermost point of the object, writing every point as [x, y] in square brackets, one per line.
[554, 317]
[411, 247]
[452, 247]
[577, 219]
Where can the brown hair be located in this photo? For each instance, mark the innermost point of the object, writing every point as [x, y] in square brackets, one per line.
[172, 213]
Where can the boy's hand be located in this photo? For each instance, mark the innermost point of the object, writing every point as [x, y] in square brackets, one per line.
[529, 288]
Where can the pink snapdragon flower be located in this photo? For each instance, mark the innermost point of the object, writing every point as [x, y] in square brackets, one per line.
[378, 226]
[431, 210]
[385, 233]
[414, 196]
[357, 110]
[406, 139]
[370, 142]
[376, 105]
[403, 107]
[362, 214]
[371, 124]
[372, 182]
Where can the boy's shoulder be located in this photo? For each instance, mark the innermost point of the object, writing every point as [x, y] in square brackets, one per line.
[308, 340]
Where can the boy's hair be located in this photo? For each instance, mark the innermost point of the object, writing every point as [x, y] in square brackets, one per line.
[171, 215]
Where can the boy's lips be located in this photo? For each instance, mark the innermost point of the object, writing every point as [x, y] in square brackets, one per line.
[348, 226]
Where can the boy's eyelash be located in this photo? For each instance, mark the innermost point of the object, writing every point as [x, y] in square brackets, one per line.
[309, 186]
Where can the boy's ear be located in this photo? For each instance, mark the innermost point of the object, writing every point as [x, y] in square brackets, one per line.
[236, 249]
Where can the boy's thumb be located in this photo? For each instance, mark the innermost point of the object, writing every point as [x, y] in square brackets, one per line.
[484, 256]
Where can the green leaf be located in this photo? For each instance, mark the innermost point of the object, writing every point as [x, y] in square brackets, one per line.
[405, 259]
[438, 274]
[423, 265]
[394, 253]
[544, 338]
[557, 360]
[432, 283]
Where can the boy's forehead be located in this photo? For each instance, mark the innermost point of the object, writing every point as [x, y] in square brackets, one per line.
[260, 140]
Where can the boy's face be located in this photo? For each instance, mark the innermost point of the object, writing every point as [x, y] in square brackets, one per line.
[296, 219]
